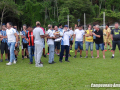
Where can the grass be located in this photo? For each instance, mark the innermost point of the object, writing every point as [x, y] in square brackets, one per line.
[78, 74]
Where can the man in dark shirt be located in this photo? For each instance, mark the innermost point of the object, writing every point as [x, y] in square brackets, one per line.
[99, 40]
[30, 39]
[115, 36]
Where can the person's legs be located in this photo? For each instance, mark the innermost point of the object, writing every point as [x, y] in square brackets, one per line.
[81, 48]
[102, 48]
[67, 52]
[12, 54]
[6, 51]
[105, 45]
[76, 47]
[97, 48]
[30, 53]
[58, 48]
[2, 50]
[91, 48]
[35, 54]
[113, 47]
[87, 46]
[50, 54]
[52, 47]
[61, 53]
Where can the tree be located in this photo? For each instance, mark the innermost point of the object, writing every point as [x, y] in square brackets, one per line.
[7, 6]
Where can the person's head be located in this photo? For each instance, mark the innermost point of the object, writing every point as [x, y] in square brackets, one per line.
[3, 27]
[24, 27]
[70, 28]
[116, 25]
[107, 25]
[15, 26]
[93, 26]
[66, 27]
[56, 28]
[97, 27]
[60, 25]
[89, 26]
[30, 29]
[80, 27]
[9, 25]
[50, 27]
[38, 24]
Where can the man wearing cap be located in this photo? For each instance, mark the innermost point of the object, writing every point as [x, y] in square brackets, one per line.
[38, 35]
[79, 36]
[65, 44]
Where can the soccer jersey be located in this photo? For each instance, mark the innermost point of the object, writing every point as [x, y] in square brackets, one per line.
[89, 38]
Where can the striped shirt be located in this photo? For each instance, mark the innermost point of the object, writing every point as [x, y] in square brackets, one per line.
[30, 38]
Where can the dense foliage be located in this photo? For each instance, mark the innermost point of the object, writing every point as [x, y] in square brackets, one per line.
[56, 11]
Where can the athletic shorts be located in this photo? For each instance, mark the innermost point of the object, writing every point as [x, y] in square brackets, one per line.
[4, 47]
[114, 43]
[107, 40]
[71, 43]
[57, 45]
[25, 46]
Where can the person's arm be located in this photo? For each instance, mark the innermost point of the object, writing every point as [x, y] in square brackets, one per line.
[26, 38]
[16, 35]
[83, 38]
[108, 33]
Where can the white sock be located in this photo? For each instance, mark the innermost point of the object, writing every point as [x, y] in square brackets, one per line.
[113, 55]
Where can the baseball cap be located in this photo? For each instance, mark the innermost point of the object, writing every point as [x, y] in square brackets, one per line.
[65, 25]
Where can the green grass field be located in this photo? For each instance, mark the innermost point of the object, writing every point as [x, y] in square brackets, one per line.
[78, 74]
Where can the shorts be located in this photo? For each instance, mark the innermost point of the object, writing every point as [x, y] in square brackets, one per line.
[107, 40]
[71, 42]
[87, 44]
[43, 40]
[4, 47]
[100, 45]
[57, 44]
[114, 43]
[25, 46]
[80, 44]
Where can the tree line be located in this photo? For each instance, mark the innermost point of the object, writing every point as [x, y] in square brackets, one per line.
[56, 11]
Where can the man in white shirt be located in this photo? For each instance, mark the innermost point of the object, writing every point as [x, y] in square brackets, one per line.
[65, 44]
[38, 35]
[51, 38]
[71, 40]
[12, 42]
[79, 36]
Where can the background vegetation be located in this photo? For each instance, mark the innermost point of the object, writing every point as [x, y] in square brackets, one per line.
[56, 11]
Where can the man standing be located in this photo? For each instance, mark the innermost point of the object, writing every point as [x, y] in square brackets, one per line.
[38, 35]
[24, 42]
[12, 42]
[4, 46]
[57, 40]
[107, 37]
[30, 40]
[50, 42]
[115, 36]
[71, 40]
[99, 41]
[79, 36]
[89, 41]
[65, 44]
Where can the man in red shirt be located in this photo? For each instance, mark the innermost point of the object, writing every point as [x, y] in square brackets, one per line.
[30, 41]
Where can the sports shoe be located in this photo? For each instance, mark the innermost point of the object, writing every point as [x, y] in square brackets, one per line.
[47, 53]
[86, 56]
[14, 62]
[80, 56]
[92, 57]
[75, 56]
[39, 65]
[9, 63]
[112, 57]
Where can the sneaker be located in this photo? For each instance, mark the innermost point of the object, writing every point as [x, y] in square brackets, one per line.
[6, 59]
[31, 63]
[105, 50]
[75, 56]
[69, 55]
[80, 56]
[14, 62]
[44, 55]
[9, 63]
[67, 61]
[47, 53]
[60, 61]
[22, 57]
[64, 56]
[92, 57]
[1, 60]
[86, 56]
[39, 65]
[53, 62]
[112, 57]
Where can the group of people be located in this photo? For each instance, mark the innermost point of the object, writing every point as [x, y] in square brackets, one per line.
[57, 37]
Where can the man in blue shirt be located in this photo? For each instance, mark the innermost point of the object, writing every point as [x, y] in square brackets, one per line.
[4, 46]
[60, 28]
[24, 42]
